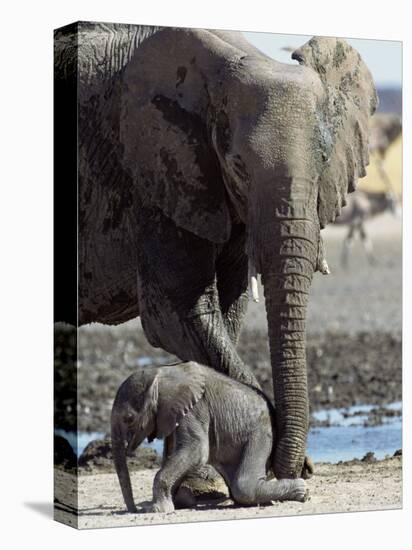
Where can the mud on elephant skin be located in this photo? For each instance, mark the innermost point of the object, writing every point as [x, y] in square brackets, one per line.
[207, 418]
[202, 160]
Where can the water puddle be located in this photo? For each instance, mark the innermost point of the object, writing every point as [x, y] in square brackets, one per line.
[349, 433]
[345, 443]
[79, 440]
[358, 415]
[345, 436]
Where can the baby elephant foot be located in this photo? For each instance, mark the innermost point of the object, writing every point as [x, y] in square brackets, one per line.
[162, 506]
[298, 490]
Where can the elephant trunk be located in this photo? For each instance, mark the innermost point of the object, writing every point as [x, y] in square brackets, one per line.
[119, 457]
[287, 266]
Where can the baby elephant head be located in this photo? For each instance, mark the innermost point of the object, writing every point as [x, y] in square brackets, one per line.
[150, 403]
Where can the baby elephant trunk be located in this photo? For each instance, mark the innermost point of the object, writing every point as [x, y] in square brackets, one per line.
[119, 457]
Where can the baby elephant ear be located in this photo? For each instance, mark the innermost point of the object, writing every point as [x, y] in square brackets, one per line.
[180, 388]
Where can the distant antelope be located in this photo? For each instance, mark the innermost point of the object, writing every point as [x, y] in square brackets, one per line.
[362, 206]
[384, 130]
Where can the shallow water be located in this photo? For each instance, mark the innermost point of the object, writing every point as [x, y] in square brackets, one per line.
[356, 415]
[345, 443]
[80, 440]
[345, 439]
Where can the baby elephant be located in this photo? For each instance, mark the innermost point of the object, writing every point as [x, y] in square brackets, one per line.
[213, 418]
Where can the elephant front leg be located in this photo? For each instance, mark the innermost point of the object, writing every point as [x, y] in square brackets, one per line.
[232, 282]
[169, 446]
[191, 455]
[214, 347]
[185, 305]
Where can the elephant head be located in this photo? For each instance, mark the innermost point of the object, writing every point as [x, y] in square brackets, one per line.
[214, 133]
[149, 404]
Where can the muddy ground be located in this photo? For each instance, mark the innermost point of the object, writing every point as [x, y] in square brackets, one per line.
[345, 487]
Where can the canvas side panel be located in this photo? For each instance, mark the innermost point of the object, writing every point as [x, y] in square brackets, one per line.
[65, 274]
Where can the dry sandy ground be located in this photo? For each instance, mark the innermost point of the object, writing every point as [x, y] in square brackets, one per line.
[346, 487]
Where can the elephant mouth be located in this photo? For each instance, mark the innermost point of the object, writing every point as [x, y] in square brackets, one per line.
[152, 436]
[132, 444]
[129, 450]
[133, 440]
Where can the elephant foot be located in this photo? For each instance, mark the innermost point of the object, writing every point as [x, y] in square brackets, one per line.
[308, 468]
[204, 484]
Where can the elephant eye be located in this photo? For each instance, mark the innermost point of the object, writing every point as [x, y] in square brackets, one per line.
[128, 419]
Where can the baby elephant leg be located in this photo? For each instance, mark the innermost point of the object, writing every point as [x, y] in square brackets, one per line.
[250, 484]
[282, 489]
[175, 467]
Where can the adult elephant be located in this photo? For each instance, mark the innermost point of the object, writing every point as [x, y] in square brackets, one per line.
[201, 159]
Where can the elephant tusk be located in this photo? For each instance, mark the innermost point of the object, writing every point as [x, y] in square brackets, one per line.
[253, 282]
[324, 268]
[254, 289]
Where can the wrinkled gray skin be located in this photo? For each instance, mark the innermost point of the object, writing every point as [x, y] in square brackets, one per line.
[213, 419]
[198, 157]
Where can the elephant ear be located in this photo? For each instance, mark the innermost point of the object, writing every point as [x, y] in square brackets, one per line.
[180, 388]
[348, 101]
[141, 390]
[166, 145]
